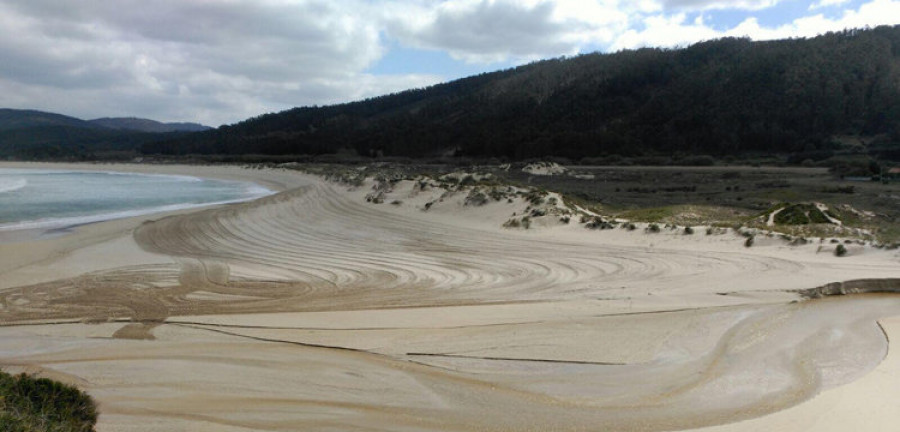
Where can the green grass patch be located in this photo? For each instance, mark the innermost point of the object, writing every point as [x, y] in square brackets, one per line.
[653, 214]
[686, 215]
[800, 214]
[29, 404]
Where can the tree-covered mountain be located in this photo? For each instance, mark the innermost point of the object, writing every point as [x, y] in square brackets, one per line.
[20, 119]
[147, 125]
[29, 134]
[722, 97]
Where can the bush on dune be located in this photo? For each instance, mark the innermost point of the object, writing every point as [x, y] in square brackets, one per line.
[29, 404]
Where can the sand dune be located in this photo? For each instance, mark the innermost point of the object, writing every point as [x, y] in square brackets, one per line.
[313, 309]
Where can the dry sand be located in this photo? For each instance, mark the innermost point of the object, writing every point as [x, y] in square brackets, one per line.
[315, 310]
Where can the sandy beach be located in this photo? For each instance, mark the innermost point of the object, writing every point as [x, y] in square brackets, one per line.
[313, 309]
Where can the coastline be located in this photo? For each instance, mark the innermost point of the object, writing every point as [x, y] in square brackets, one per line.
[23, 248]
[52, 226]
[314, 285]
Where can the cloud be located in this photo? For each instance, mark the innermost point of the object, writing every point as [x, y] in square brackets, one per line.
[826, 3]
[663, 31]
[671, 31]
[486, 31]
[720, 4]
[220, 61]
[207, 61]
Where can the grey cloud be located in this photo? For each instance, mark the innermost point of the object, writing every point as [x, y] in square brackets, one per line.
[184, 60]
[491, 30]
[216, 62]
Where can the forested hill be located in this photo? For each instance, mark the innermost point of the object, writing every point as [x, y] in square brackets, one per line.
[30, 134]
[11, 119]
[147, 125]
[723, 97]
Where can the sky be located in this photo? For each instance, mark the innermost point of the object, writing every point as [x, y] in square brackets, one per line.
[222, 61]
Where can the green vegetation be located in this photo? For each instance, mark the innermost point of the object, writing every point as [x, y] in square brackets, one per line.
[598, 222]
[840, 250]
[728, 98]
[29, 404]
[800, 214]
[27, 134]
[652, 214]
[702, 196]
[476, 198]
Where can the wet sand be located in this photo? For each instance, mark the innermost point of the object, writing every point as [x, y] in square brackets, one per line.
[315, 310]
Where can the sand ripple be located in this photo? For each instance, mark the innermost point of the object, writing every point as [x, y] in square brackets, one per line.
[532, 345]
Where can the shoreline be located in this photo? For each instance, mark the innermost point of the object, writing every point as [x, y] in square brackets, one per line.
[409, 312]
[45, 228]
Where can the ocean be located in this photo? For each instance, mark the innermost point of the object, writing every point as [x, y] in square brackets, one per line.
[52, 199]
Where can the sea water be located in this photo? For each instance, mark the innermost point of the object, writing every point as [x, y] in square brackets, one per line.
[53, 199]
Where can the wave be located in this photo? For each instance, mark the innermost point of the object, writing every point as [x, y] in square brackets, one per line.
[34, 171]
[73, 221]
[12, 184]
[181, 177]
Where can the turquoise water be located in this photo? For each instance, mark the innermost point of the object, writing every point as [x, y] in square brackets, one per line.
[48, 199]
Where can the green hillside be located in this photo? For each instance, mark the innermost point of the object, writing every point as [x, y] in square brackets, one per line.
[800, 98]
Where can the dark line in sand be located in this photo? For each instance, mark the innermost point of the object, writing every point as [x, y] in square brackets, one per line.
[262, 339]
[580, 362]
[244, 326]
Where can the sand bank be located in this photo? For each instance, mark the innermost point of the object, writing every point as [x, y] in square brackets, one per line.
[313, 309]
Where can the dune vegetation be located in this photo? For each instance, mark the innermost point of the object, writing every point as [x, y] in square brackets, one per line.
[31, 404]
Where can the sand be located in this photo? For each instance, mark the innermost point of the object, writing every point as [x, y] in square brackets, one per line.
[313, 309]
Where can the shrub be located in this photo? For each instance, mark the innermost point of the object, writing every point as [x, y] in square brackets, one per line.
[467, 181]
[840, 250]
[39, 404]
[497, 195]
[535, 197]
[800, 214]
[538, 212]
[512, 223]
[476, 198]
[598, 223]
[688, 230]
[653, 228]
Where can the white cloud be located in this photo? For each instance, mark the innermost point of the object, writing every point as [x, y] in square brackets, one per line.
[826, 3]
[671, 31]
[662, 31]
[719, 4]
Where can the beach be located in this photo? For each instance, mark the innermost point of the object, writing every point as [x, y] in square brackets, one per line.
[318, 309]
